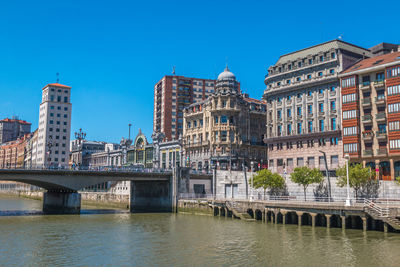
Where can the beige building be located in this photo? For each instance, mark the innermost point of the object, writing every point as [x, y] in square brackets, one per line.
[226, 129]
[303, 96]
[54, 126]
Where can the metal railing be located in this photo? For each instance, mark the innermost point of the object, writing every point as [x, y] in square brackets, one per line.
[381, 211]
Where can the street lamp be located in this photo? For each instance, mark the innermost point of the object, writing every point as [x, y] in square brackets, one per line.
[49, 145]
[80, 135]
[348, 201]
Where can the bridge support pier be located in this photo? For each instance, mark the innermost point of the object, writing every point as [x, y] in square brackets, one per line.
[61, 202]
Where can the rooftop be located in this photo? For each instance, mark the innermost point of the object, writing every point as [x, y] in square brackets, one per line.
[57, 85]
[15, 120]
[373, 62]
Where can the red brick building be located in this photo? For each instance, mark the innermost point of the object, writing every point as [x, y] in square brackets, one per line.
[12, 154]
[171, 95]
[370, 94]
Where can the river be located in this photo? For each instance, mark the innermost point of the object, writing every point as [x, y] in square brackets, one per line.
[123, 239]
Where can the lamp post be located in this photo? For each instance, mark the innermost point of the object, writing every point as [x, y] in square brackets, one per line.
[80, 135]
[348, 201]
[49, 146]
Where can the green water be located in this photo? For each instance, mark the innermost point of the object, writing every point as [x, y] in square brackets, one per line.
[124, 239]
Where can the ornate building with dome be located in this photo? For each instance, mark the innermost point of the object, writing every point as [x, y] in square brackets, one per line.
[226, 130]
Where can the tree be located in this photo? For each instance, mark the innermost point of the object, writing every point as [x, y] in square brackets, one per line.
[358, 177]
[305, 176]
[267, 180]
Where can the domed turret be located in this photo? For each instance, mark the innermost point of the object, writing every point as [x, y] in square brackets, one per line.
[226, 83]
[226, 74]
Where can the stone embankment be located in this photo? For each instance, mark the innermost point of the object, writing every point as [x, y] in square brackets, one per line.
[314, 214]
[91, 199]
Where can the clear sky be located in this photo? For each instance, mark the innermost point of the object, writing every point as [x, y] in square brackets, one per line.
[113, 52]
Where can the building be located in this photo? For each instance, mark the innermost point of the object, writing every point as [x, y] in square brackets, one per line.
[384, 48]
[31, 151]
[171, 95]
[141, 153]
[12, 153]
[303, 99]
[81, 149]
[12, 129]
[370, 92]
[226, 129]
[54, 126]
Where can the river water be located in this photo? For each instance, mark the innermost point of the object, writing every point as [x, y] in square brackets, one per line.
[123, 239]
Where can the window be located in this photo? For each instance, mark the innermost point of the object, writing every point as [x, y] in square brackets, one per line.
[279, 114]
[321, 91]
[224, 119]
[298, 111]
[350, 148]
[300, 162]
[279, 130]
[333, 124]
[299, 129]
[349, 98]
[289, 128]
[279, 99]
[331, 71]
[394, 144]
[216, 119]
[52, 107]
[394, 90]
[394, 125]
[287, 81]
[333, 55]
[310, 61]
[223, 136]
[321, 125]
[394, 108]
[333, 89]
[320, 74]
[298, 79]
[310, 126]
[349, 82]
[333, 105]
[309, 93]
[309, 109]
[58, 98]
[349, 114]
[321, 107]
[65, 99]
[380, 77]
[289, 113]
[393, 72]
[299, 64]
[309, 76]
[289, 97]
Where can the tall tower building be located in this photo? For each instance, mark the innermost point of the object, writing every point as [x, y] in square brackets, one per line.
[171, 95]
[54, 126]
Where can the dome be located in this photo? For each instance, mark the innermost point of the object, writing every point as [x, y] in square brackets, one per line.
[226, 74]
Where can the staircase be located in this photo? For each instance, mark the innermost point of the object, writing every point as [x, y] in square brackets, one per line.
[236, 213]
[381, 213]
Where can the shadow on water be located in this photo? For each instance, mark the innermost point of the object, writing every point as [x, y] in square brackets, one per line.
[39, 212]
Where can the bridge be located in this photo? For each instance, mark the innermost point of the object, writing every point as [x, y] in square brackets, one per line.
[150, 191]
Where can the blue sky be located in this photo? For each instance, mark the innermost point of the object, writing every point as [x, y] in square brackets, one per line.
[113, 52]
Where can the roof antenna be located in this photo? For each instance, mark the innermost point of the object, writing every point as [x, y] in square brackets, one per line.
[340, 37]
[58, 77]
[173, 70]
[226, 61]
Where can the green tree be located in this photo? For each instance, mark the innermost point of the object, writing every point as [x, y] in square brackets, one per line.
[267, 180]
[305, 176]
[358, 177]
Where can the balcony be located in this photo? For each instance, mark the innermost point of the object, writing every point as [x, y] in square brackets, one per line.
[367, 119]
[367, 136]
[380, 100]
[367, 153]
[380, 117]
[381, 135]
[381, 152]
[379, 84]
[366, 102]
[365, 86]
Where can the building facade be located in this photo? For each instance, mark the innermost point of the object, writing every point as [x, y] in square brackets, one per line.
[226, 129]
[141, 153]
[80, 150]
[171, 95]
[303, 99]
[54, 126]
[370, 92]
[12, 129]
[12, 153]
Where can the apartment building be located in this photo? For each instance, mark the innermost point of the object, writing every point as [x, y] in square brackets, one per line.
[171, 95]
[303, 106]
[226, 129]
[370, 92]
[12, 129]
[54, 126]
